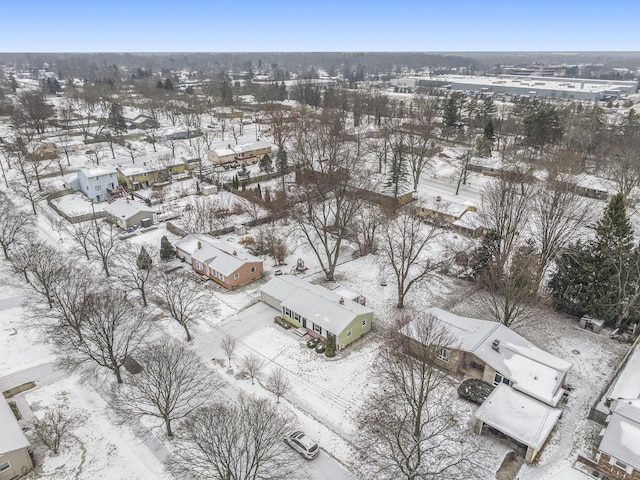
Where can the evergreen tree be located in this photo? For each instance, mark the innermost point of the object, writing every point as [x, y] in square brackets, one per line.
[167, 251]
[601, 278]
[398, 171]
[258, 191]
[159, 84]
[116, 120]
[144, 261]
[168, 84]
[488, 132]
[266, 164]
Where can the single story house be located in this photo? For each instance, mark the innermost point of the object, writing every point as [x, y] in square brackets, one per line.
[15, 460]
[522, 418]
[494, 353]
[441, 209]
[128, 213]
[220, 261]
[179, 132]
[619, 450]
[318, 310]
[221, 156]
[99, 183]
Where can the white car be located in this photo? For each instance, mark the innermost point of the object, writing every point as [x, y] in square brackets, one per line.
[303, 445]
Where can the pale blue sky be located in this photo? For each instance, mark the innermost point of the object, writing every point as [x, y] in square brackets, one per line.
[328, 25]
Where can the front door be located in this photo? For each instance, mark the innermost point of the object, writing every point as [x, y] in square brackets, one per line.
[304, 322]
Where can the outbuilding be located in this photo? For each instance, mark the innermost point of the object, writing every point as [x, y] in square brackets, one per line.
[15, 460]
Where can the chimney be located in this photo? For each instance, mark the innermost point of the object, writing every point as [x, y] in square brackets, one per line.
[496, 345]
[341, 301]
[235, 253]
[199, 245]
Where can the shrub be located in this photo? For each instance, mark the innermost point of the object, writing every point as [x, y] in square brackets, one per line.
[320, 348]
[475, 390]
[282, 322]
[312, 342]
[330, 349]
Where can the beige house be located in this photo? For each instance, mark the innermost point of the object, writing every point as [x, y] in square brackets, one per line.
[221, 156]
[221, 262]
[320, 311]
[15, 460]
[249, 153]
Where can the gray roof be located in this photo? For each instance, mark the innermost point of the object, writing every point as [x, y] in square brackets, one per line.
[126, 209]
[531, 369]
[622, 436]
[315, 303]
[12, 437]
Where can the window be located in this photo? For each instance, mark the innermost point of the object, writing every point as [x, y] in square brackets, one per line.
[287, 312]
[98, 188]
[621, 465]
[498, 378]
[198, 265]
[236, 276]
[253, 269]
[220, 276]
[317, 328]
[349, 333]
[364, 322]
[5, 466]
[443, 354]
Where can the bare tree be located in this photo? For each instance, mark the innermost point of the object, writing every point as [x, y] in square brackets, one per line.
[557, 215]
[53, 426]
[228, 344]
[409, 428]
[79, 233]
[240, 441]
[14, 224]
[185, 300]
[95, 154]
[365, 226]
[40, 264]
[172, 384]
[404, 243]
[624, 167]
[330, 176]
[112, 330]
[34, 111]
[103, 240]
[505, 206]
[135, 269]
[278, 383]
[253, 364]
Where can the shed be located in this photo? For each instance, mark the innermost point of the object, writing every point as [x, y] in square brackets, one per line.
[593, 324]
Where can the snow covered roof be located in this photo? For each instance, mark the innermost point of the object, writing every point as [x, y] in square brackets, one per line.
[249, 147]
[622, 436]
[518, 416]
[315, 303]
[627, 385]
[98, 171]
[12, 437]
[445, 205]
[223, 152]
[530, 369]
[122, 208]
[223, 257]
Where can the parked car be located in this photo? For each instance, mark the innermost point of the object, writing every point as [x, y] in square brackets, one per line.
[303, 445]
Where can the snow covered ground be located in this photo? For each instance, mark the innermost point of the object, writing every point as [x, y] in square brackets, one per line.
[326, 394]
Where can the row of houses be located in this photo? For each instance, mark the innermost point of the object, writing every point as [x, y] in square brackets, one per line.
[244, 154]
[102, 183]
